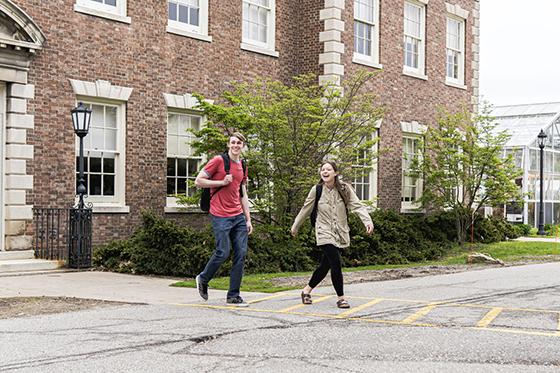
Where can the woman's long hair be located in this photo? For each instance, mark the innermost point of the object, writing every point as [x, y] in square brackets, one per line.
[342, 187]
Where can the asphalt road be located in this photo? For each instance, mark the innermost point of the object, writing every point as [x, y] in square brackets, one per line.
[495, 320]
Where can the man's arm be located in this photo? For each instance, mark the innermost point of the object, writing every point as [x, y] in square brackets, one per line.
[246, 208]
[203, 181]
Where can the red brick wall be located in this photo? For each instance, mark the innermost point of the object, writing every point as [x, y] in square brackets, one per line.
[143, 56]
[406, 98]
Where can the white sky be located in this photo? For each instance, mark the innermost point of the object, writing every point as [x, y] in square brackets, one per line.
[519, 51]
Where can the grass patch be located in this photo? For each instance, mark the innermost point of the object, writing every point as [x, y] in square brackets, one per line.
[509, 252]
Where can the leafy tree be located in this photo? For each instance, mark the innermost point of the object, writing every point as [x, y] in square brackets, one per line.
[463, 168]
[290, 129]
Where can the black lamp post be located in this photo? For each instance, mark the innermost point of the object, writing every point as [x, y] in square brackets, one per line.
[81, 118]
[80, 218]
[541, 142]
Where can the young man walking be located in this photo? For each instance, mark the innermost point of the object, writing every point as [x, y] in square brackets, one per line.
[231, 218]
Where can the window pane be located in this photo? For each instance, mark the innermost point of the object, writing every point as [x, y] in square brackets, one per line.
[110, 140]
[172, 11]
[109, 165]
[108, 185]
[95, 164]
[95, 185]
[181, 186]
[111, 2]
[171, 185]
[97, 138]
[183, 14]
[171, 167]
[194, 17]
[181, 167]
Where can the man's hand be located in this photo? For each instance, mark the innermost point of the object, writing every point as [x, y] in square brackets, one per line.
[228, 179]
[293, 232]
[249, 227]
[369, 228]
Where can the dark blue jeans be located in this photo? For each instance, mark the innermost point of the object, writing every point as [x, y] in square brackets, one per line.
[228, 232]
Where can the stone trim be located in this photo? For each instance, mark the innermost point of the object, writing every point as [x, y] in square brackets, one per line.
[475, 55]
[17, 151]
[185, 101]
[413, 127]
[101, 89]
[333, 48]
[26, 25]
[456, 10]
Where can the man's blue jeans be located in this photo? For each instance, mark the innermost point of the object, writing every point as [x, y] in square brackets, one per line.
[228, 232]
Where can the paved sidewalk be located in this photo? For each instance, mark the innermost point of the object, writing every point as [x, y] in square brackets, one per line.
[102, 285]
[538, 239]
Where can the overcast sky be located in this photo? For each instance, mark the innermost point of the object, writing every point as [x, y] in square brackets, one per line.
[519, 51]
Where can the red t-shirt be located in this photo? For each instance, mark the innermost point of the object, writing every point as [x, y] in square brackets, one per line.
[226, 202]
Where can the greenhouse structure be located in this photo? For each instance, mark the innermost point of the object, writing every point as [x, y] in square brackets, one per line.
[524, 123]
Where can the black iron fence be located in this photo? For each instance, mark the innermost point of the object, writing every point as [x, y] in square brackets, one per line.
[63, 234]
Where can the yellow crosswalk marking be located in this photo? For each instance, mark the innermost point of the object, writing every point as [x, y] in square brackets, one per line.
[266, 298]
[358, 308]
[489, 317]
[315, 301]
[421, 313]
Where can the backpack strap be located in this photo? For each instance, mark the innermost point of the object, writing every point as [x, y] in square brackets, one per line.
[225, 157]
[318, 192]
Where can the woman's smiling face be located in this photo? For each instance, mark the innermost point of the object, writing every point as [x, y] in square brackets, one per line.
[328, 173]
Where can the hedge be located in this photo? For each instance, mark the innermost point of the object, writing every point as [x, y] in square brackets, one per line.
[161, 247]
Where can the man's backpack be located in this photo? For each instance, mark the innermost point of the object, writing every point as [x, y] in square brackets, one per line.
[207, 194]
[318, 192]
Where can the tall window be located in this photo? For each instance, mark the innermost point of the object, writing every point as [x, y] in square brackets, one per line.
[103, 148]
[188, 18]
[411, 187]
[414, 37]
[182, 165]
[455, 61]
[365, 174]
[259, 23]
[366, 30]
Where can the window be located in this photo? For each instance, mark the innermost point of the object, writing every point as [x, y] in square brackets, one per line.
[455, 53]
[366, 32]
[414, 38]
[182, 165]
[411, 187]
[364, 179]
[188, 18]
[112, 9]
[103, 154]
[259, 26]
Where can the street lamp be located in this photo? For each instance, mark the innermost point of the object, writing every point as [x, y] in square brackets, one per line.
[541, 141]
[80, 218]
[81, 118]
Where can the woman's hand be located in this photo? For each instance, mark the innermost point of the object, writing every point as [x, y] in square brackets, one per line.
[293, 232]
[369, 228]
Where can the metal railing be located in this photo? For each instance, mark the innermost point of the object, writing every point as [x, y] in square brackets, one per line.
[63, 234]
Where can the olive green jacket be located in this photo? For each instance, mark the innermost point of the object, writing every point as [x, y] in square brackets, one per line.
[332, 222]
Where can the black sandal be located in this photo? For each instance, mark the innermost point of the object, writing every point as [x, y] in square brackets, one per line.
[306, 298]
[342, 303]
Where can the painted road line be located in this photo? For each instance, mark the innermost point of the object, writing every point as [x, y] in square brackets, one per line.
[358, 308]
[421, 313]
[361, 319]
[558, 328]
[315, 301]
[489, 317]
[267, 298]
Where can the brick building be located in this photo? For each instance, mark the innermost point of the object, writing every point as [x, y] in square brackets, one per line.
[136, 64]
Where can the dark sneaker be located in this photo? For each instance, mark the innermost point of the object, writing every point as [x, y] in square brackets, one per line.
[202, 288]
[237, 301]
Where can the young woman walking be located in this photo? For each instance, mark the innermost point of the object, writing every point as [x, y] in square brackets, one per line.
[331, 228]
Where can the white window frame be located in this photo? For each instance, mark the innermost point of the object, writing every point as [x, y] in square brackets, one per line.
[199, 32]
[115, 13]
[103, 92]
[414, 131]
[268, 47]
[456, 14]
[373, 59]
[171, 204]
[372, 177]
[420, 71]
[114, 203]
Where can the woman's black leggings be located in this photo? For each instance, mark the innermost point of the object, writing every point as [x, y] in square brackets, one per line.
[330, 260]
